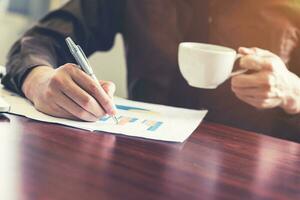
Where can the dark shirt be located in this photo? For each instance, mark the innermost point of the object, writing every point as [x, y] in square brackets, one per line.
[152, 31]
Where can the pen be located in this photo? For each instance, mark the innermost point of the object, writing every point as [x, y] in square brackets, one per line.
[83, 62]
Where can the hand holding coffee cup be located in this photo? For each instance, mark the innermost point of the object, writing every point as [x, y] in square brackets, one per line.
[206, 65]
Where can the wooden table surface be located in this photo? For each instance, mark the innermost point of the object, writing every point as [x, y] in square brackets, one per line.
[40, 161]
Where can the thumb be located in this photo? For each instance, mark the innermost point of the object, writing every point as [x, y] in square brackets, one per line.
[246, 51]
[255, 51]
[109, 87]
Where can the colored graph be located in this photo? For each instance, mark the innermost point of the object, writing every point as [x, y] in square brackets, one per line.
[135, 109]
[149, 125]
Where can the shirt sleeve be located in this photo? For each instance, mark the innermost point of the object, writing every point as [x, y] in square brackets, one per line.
[91, 23]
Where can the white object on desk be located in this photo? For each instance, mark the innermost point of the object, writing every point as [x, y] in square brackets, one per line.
[2, 71]
[135, 119]
[4, 106]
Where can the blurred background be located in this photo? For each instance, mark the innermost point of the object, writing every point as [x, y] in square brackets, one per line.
[16, 16]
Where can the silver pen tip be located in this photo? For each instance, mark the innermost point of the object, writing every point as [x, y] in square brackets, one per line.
[71, 44]
[115, 119]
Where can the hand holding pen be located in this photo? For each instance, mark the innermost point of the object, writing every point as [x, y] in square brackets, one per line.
[69, 92]
[83, 63]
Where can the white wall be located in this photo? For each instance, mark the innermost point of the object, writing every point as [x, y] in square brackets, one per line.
[11, 27]
[111, 66]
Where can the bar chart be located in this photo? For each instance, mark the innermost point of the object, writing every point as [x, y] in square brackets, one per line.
[135, 118]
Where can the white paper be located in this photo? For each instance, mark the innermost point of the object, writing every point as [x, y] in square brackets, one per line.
[137, 119]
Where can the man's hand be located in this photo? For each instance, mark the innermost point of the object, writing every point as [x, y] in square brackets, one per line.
[69, 93]
[268, 84]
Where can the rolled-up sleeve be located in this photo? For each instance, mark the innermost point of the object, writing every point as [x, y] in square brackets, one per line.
[91, 23]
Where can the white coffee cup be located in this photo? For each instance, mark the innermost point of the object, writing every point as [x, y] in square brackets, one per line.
[206, 65]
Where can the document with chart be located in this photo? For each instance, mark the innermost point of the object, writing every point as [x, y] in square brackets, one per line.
[134, 119]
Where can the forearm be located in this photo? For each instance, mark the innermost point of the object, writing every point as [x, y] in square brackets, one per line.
[40, 46]
[25, 55]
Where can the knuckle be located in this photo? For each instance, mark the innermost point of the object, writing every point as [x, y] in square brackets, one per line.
[49, 94]
[69, 67]
[93, 88]
[56, 81]
[86, 102]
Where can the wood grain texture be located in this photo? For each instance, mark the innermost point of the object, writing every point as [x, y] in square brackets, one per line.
[51, 162]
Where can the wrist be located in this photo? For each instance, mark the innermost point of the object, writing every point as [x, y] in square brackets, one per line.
[33, 80]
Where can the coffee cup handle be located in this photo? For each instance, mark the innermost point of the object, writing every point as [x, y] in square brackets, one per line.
[238, 72]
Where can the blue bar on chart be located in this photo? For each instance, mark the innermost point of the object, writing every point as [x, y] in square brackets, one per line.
[153, 125]
[105, 118]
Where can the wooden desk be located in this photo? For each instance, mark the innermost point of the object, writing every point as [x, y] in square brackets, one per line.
[45, 162]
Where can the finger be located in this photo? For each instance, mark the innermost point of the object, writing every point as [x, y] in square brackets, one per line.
[261, 79]
[82, 98]
[246, 99]
[254, 51]
[89, 85]
[70, 106]
[263, 93]
[256, 63]
[63, 113]
[55, 111]
[259, 102]
[109, 87]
